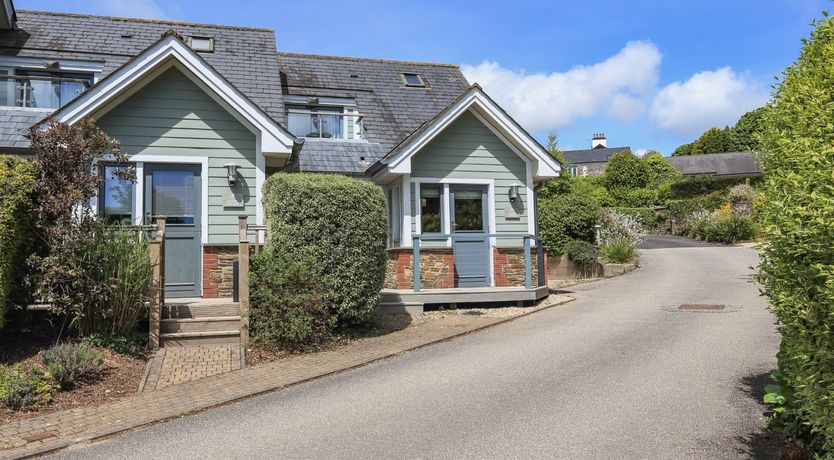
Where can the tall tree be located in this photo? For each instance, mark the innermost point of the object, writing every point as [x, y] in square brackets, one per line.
[746, 132]
[714, 140]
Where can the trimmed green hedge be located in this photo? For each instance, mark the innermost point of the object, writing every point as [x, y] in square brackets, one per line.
[17, 202]
[339, 225]
[703, 185]
[682, 208]
[797, 261]
[649, 218]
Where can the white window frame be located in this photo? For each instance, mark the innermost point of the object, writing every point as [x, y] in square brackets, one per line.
[446, 203]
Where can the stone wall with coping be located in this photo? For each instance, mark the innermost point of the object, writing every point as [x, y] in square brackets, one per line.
[218, 276]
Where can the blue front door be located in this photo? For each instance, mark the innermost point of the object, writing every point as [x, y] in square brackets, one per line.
[470, 235]
[172, 191]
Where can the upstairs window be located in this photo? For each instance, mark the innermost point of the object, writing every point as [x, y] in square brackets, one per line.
[42, 89]
[325, 121]
[413, 79]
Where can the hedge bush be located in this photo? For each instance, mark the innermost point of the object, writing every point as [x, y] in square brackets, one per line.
[730, 228]
[565, 218]
[288, 305]
[625, 170]
[797, 261]
[697, 186]
[339, 226]
[649, 217]
[17, 235]
[635, 197]
[681, 208]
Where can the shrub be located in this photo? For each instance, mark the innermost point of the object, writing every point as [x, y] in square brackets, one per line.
[660, 171]
[566, 218]
[288, 305]
[592, 186]
[648, 217]
[338, 226]
[728, 228]
[618, 250]
[625, 170]
[132, 343]
[741, 198]
[22, 387]
[68, 363]
[583, 253]
[98, 276]
[17, 236]
[797, 268]
[616, 226]
[682, 208]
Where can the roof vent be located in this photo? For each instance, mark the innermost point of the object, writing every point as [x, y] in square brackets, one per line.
[202, 44]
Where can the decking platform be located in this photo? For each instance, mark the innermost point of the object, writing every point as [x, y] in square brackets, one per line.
[408, 301]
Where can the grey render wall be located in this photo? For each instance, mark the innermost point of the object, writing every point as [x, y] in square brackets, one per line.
[468, 149]
[173, 116]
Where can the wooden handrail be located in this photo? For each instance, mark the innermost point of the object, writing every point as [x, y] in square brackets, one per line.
[157, 287]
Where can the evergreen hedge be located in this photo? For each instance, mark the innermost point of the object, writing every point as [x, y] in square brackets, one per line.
[696, 186]
[565, 218]
[17, 202]
[337, 224]
[797, 264]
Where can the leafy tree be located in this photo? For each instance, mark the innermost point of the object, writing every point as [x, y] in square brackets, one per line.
[554, 150]
[625, 170]
[797, 265]
[660, 171]
[683, 150]
[747, 130]
[714, 140]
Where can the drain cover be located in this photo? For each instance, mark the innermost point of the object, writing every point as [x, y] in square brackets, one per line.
[701, 306]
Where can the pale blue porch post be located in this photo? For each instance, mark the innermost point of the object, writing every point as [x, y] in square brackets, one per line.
[416, 256]
[528, 269]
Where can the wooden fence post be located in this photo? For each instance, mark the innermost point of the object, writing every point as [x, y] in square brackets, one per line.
[157, 254]
[243, 279]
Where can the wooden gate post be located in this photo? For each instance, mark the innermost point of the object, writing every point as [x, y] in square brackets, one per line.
[243, 279]
[157, 254]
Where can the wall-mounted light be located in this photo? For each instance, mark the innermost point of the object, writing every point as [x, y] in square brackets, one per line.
[514, 191]
[231, 172]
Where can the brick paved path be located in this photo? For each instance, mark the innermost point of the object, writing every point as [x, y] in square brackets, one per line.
[60, 429]
[170, 366]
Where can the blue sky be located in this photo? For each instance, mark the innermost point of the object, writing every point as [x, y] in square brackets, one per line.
[650, 74]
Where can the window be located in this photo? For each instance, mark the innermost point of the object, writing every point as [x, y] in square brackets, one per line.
[325, 122]
[116, 202]
[43, 88]
[430, 208]
[413, 79]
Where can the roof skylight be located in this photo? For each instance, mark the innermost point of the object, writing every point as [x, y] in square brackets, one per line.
[413, 79]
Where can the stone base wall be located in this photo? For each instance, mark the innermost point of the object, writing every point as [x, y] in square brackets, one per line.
[217, 270]
[562, 268]
[508, 265]
[437, 269]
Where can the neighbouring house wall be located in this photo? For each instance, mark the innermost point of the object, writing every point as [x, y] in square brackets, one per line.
[590, 169]
[172, 116]
[467, 149]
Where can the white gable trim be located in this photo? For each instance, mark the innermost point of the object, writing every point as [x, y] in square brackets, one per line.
[168, 52]
[544, 166]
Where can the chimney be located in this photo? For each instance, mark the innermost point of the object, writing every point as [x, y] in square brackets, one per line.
[599, 141]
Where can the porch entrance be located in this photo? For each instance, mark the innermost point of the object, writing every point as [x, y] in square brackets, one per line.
[172, 191]
[470, 235]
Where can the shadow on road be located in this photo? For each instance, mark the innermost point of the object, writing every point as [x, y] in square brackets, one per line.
[764, 443]
[671, 241]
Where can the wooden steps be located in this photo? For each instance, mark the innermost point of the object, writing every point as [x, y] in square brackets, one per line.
[195, 322]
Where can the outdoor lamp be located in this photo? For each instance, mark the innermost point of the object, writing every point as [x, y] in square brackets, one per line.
[514, 191]
[231, 172]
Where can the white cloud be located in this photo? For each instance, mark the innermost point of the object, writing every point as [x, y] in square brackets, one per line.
[148, 9]
[709, 98]
[548, 100]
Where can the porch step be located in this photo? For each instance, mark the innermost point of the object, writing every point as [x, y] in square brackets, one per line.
[184, 339]
[172, 310]
[396, 307]
[200, 324]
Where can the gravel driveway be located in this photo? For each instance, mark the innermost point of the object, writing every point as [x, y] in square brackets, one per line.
[619, 373]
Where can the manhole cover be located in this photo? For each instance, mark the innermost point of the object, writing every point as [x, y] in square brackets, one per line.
[701, 306]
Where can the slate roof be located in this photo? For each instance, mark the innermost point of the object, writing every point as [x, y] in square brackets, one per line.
[243, 55]
[344, 157]
[718, 164]
[597, 155]
[391, 110]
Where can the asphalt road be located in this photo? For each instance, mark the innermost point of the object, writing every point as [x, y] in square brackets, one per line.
[671, 241]
[619, 373]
